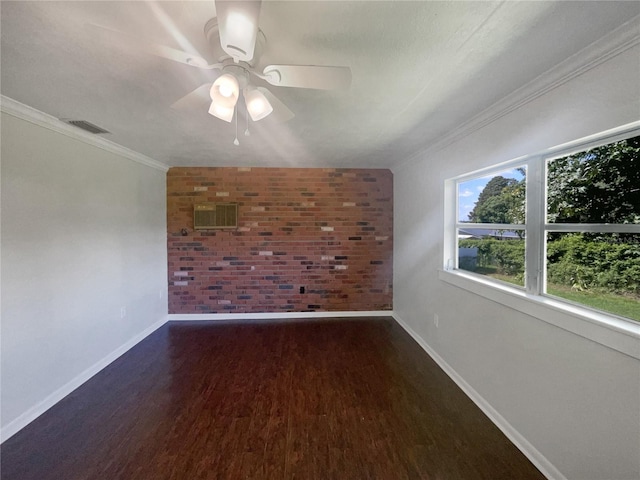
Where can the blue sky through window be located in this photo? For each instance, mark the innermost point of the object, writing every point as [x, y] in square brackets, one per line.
[468, 191]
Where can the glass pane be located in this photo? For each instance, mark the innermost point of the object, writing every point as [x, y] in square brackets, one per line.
[496, 198]
[601, 271]
[600, 185]
[497, 254]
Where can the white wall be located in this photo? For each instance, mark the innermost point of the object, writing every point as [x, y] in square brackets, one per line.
[576, 401]
[83, 234]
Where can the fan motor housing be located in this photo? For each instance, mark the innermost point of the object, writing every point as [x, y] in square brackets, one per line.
[212, 32]
[240, 72]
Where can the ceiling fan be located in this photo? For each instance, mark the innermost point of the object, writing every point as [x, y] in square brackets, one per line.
[237, 29]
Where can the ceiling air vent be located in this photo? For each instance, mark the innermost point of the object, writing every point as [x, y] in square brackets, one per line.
[207, 216]
[89, 127]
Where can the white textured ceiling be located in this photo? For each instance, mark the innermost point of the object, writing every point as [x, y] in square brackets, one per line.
[419, 70]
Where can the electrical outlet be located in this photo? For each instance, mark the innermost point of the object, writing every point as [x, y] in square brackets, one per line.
[436, 319]
[123, 312]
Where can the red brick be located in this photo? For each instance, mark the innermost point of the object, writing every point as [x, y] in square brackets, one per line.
[282, 211]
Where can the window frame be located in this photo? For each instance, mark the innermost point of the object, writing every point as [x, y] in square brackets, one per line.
[535, 229]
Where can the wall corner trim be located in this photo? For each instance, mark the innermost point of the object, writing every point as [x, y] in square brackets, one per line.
[20, 110]
[618, 41]
[539, 460]
[34, 412]
[188, 317]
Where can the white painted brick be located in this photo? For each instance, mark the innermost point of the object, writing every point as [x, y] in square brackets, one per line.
[222, 264]
[222, 194]
[224, 302]
[244, 229]
[257, 209]
[200, 189]
[180, 284]
[386, 237]
[252, 224]
[244, 169]
[265, 253]
[340, 267]
[348, 204]
[327, 257]
[181, 274]
[326, 229]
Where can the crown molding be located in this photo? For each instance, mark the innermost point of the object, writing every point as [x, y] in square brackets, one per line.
[611, 45]
[20, 110]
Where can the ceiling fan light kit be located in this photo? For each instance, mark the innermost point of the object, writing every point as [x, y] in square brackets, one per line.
[236, 28]
[225, 91]
[257, 104]
[223, 113]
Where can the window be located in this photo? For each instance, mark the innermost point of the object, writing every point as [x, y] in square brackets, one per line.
[491, 229]
[563, 224]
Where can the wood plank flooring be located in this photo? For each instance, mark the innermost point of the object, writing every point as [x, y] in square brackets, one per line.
[322, 399]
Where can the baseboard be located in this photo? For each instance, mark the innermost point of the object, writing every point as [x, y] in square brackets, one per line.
[539, 460]
[34, 412]
[275, 315]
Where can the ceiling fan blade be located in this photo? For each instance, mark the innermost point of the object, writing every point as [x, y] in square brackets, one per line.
[308, 76]
[140, 44]
[238, 24]
[281, 112]
[197, 99]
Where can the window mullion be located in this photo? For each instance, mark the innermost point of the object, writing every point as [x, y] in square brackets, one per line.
[535, 219]
[496, 226]
[593, 227]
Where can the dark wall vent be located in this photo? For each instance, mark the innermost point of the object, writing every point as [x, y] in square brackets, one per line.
[89, 127]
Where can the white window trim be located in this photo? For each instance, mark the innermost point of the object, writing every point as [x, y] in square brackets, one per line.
[607, 329]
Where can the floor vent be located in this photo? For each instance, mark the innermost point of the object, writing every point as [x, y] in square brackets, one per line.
[89, 127]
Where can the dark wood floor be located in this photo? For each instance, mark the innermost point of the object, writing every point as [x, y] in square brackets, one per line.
[330, 399]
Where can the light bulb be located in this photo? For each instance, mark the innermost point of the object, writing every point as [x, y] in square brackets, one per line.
[225, 90]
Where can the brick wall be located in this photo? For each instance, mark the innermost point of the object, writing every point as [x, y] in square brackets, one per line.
[327, 230]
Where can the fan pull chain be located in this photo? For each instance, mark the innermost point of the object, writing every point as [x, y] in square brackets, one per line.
[236, 142]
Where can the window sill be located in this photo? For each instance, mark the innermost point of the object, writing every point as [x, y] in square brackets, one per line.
[618, 334]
